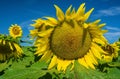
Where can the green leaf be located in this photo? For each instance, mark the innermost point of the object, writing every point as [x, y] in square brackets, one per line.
[113, 73]
[24, 68]
[114, 64]
[4, 65]
[80, 72]
[33, 72]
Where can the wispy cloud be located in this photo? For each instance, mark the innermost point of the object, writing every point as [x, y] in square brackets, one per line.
[113, 33]
[26, 24]
[112, 11]
[112, 28]
[112, 36]
[26, 27]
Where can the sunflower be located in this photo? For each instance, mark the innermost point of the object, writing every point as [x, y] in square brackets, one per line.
[15, 31]
[9, 49]
[68, 38]
[111, 52]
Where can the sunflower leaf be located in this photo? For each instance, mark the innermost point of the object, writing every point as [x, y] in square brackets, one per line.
[80, 72]
[26, 67]
[113, 73]
[4, 65]
[33, 72]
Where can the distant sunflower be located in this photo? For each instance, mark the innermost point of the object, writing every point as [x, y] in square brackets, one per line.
[69, 38]
[111, 52]
[9, 49]
[15, 31]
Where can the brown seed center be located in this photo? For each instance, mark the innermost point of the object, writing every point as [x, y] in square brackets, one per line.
[70, 42]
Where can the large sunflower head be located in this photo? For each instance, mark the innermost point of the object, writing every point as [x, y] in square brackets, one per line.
[9, 49]
[15, 31]
[68, 38]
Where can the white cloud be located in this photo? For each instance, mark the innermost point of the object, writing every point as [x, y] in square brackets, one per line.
[113, 33]
[112, 11]
[112, 36]
[26, 24]
[112, 28]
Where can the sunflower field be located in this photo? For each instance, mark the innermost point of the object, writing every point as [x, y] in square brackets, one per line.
[65, 47]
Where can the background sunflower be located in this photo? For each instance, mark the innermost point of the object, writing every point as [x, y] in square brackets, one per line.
[9, 49]
[15, 31]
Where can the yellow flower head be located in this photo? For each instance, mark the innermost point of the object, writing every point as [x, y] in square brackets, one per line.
[9, 49]
[15, 31]
[111, 52]
[68, 38]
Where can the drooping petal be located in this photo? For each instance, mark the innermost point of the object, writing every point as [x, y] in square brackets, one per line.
[93, 57]
[99, 41]
[82, 62]
[89, 62]
[66, 63]
[10, 46]
[53, 62]
[95, 52]
[41, 50]
[46, 56]
[98, 48]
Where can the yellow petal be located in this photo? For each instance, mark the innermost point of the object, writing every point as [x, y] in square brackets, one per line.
[99, 41]
[38, 23]
[95, 52]
[98, 48]
[41, 50]
[86, 16]
[107, 58]
[59, 13]
[85, 25]
[101, 25]
[83, 62]
[63, 64]
[46, 56]
[33, 33]
[73, 12]
[19, 50]
[3, 42]
[80, 10]
[93, 58]
[0, 40]
[11, 46]
[66, 63]
[68, 12]
[53, 62]
[45, 33]
[51, 21]
[59, 64]
[104, 31]
[90, 63]
[97, 21]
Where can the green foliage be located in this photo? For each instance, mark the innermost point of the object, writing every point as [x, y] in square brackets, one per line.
[21, 72]
[4, 65]
[29, 67]
[80, 72]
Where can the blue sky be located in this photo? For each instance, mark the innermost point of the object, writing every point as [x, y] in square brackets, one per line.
[22, 12]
